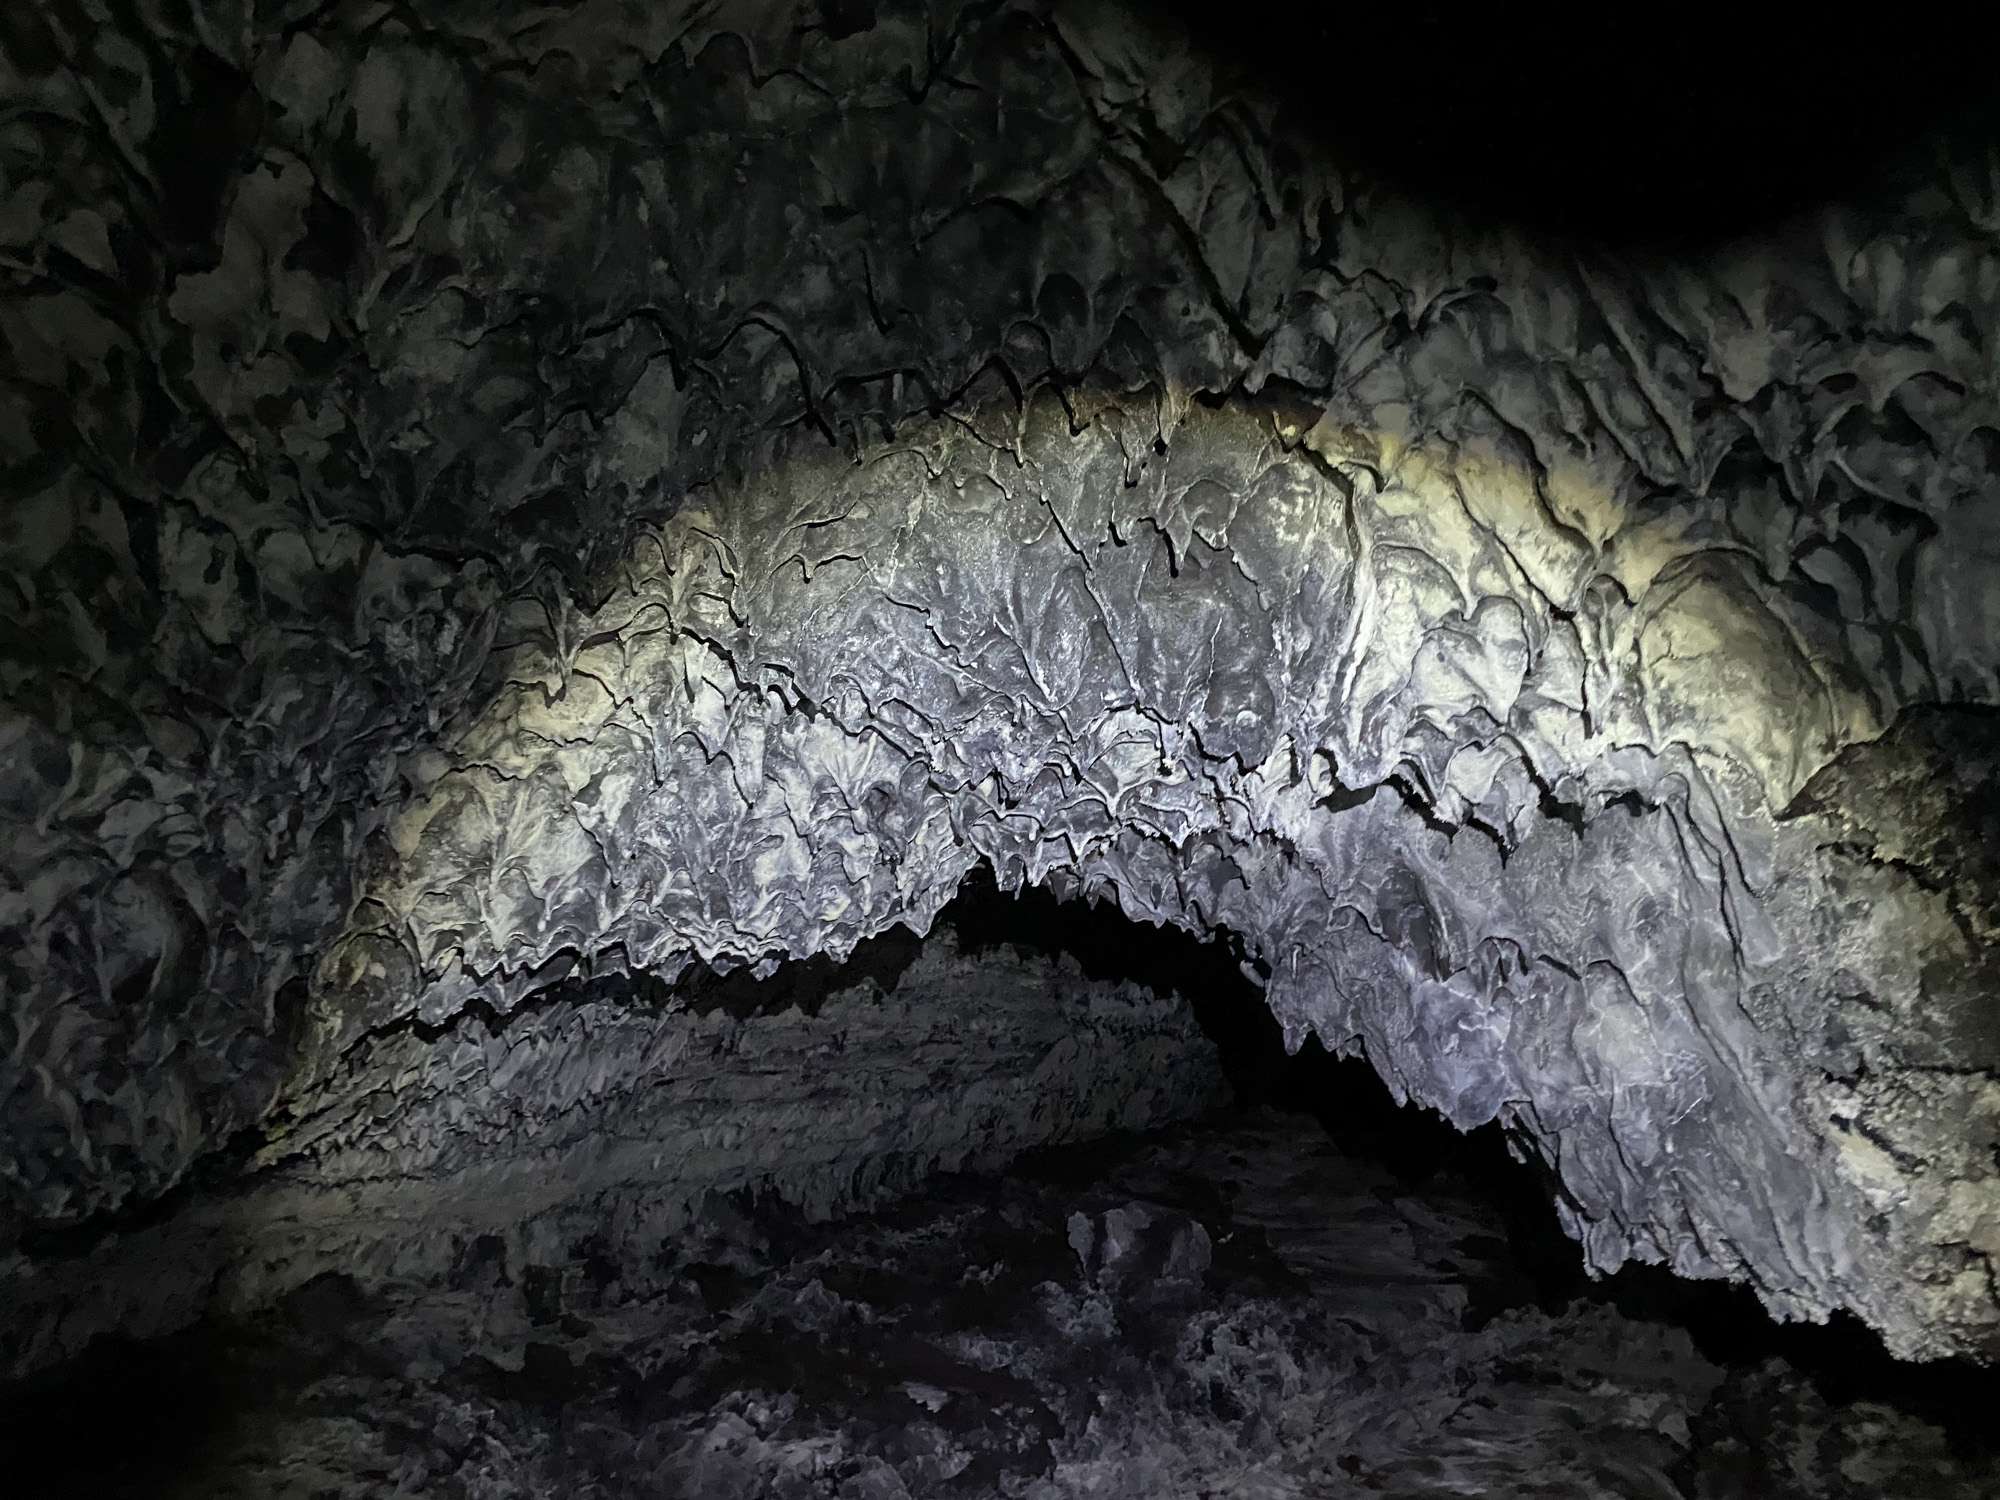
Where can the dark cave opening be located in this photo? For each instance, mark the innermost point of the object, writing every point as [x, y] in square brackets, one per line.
[1843, 1358]
[134, 1416]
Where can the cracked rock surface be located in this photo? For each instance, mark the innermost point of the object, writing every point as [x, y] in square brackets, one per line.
[1235, 1308]
[609, 1115]
[500, 502]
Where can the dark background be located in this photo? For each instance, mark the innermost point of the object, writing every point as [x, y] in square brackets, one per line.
[1631, 124]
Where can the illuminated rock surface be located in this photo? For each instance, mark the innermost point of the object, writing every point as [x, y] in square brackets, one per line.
[495, 506]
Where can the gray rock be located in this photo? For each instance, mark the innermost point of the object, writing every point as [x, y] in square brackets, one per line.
[495, 504]
[1256, 1314]
[606, 1117]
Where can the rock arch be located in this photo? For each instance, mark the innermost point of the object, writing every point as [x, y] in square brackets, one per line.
[681, 528]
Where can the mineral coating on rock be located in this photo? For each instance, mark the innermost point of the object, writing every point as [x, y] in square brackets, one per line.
[647, 484]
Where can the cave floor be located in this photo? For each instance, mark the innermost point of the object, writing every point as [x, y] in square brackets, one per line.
[1230, 1309]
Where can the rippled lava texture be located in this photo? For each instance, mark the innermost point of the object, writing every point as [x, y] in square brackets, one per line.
[1235, 1309]
[500, 500]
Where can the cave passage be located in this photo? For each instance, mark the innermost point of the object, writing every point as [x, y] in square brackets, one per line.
[869, 749]
[1087, 1309]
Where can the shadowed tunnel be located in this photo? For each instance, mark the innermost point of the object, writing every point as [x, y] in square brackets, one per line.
[138, 1416]
[1031, 747]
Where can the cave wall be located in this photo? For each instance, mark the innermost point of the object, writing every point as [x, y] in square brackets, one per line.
[501, 502]
[438, 1162]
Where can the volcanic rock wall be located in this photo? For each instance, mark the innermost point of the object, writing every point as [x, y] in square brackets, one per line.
[611, 1116]
[500, 500]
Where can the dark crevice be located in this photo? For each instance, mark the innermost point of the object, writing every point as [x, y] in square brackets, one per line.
[128, 1417]
[801, 984]
[1110, 946]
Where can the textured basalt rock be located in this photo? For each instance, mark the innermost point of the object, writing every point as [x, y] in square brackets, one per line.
[1240, 1309]
[496, 502]
[609, 1116]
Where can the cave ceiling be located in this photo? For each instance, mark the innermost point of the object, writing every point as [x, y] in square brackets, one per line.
[507, 500]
